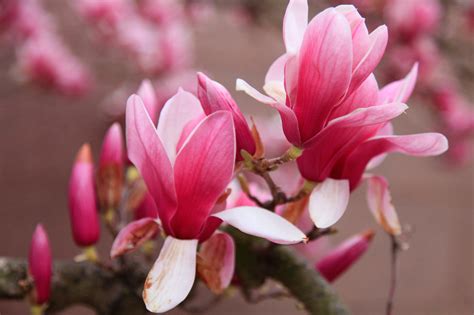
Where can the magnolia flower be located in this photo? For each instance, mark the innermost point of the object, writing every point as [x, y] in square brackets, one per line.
[325, 62]
[40, 265]
[351, 141]
[187, 163]
[214, 97]
[342, 257]
[410, 19]
[47, 61]
[82, 200]
[110, 172]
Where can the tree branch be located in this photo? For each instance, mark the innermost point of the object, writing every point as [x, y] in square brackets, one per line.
[256, 261]
[118, 293]
[79, 283]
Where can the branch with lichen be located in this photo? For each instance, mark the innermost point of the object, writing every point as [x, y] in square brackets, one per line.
[118, 292]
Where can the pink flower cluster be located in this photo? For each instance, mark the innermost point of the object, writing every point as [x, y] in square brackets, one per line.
[154, 34]
[335, 119]
[413, 25]
[42, 56]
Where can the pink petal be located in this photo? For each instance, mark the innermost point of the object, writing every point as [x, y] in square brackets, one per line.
[40, 265]
[213, 97]
[146, 208]
[380, 204]
[172, 276]
[424, 144]
[325, 66]
[262, 223]
[276, 72]
[210, 226]
[178, 111]
[365, 96]
[328, 202]
[373, 54]
[203, 169]
[341, 258]
[133, 235]
[148, 95]
[288, 118]
[399, 91]
[294, 24]
[355, 20]
[367, 49]
[216, 262]
[148, 154]
[291, 81]
[386, 130]
[341, 136]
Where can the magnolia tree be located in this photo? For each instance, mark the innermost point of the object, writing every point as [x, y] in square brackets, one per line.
[222, 200]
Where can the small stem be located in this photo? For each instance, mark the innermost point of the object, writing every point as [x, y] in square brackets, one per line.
[304, 191]
[316, 233]
[278, 195]
[290, 155]
[394, 250]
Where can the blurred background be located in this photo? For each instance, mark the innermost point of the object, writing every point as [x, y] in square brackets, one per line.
[43, 125]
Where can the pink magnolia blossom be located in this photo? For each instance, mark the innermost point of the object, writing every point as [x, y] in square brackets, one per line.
[153, 34]
[341, 258]
[353, 140]
[42, 56]
[161, 11]
[40, 265]
[214, 97]
[82, 200]
[457, 120]
[409, 19]
[187, 163]
[45, 60]
[325, 63]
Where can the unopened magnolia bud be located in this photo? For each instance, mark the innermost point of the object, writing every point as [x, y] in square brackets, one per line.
[337, 261]
[110, 173]
[40, 265]
[82, 200]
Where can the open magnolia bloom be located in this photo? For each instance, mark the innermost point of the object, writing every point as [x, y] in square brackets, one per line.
[325, 62]
[350, 149]
[330, 104]
[187, 162]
